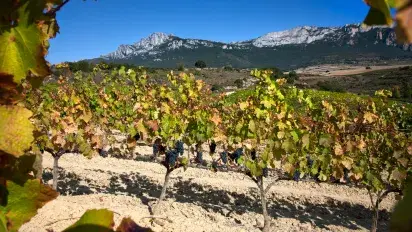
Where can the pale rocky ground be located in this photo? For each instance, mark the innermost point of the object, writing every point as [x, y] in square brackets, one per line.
[198, 199]
[342, 70]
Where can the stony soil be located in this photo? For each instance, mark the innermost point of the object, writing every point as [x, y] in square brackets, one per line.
[198, 199]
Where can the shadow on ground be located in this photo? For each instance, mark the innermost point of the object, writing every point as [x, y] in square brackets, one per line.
[350, 216]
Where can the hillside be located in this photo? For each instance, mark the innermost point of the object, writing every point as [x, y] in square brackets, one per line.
[290, 49]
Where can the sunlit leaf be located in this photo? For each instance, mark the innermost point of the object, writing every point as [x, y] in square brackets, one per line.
[22, 49]
[94, 221]
[401, 218]
[16, 131]
[24, 201]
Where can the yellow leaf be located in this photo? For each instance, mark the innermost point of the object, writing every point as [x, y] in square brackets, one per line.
[404, 25]
[369, 117]
[216, 119]
[338, 150]
[16, 130]
[243, 105]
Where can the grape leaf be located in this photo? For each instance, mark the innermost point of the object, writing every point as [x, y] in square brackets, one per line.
[128, 225]
[3, 222]
[22, 48]
[16, 169]
[401, 219]
[24, 201]
[379, 13]
[95, 220]
[404, 25]
[16, 131]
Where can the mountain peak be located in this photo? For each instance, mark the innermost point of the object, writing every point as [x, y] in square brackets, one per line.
[162, 48]
[297, 35]
[155, 39]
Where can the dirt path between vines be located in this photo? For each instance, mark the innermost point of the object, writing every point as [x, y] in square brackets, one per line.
[198, 199]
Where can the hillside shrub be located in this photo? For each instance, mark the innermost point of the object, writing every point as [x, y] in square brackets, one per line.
[396, 93]
[216, 87]
[330, 86]
[239, 83]
[228, 68]
[198, 73]
[200, 64]
[181, 67]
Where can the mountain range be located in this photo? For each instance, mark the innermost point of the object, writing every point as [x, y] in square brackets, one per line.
[297, 47]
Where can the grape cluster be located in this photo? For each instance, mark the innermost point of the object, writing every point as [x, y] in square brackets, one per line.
[296, 176]
[253, 154]
[223, 157]
[179, 147]
[136, 137]
[103, 153]
[155, 149]
[214, 166]
[199, 157]
[236, 155]
[171, 157]
[212, 147]
[265, 172]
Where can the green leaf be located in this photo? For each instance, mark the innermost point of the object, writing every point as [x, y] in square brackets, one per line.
[295, 136]
[24, 201]
[401, 218]
[95, 220]
[325, 140]
[16, 130]
[3, 222]
[379, 13]
[22, 48]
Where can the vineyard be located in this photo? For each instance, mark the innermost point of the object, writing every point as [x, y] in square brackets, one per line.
[109, 134]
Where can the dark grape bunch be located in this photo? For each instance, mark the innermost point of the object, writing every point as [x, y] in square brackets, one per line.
[158, 148]
[223, 157]
[214, 166]
[212, 147]
[103, 153]
[171, 158]
[236, 155]
[199, 157]
[155, 149]
[253, 154]
[136, 137]
[179, 147]
[265, 172]
[296, 176]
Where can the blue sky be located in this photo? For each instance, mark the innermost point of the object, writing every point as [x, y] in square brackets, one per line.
[90, 29]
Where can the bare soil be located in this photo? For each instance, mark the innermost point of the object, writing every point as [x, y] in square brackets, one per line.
[198, 199]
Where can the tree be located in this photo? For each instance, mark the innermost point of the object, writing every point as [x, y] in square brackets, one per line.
[200, 64]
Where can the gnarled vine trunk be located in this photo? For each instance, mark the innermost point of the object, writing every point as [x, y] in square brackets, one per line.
[163, 193]
[55, 171]
[263, 200]
[375, 219]
[38, 166]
